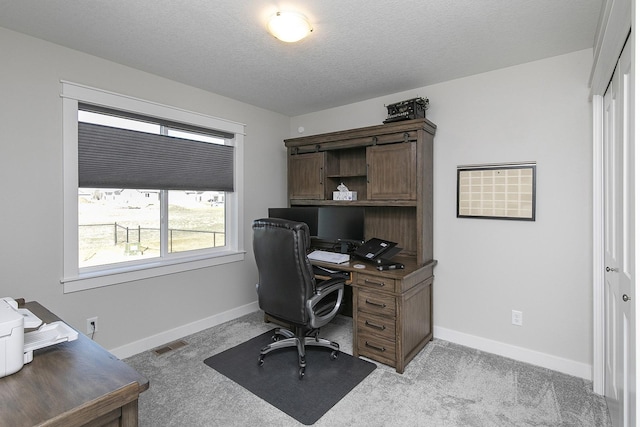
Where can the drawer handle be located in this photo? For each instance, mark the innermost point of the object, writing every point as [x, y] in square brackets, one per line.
[377, 304]
[373, 325]
[375, 347]
[381, 284]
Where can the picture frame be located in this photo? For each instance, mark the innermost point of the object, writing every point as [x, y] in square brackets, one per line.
[497, 191]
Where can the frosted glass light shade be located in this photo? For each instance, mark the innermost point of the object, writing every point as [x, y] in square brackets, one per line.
[289, 26]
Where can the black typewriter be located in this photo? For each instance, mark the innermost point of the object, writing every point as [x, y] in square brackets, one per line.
[406, 110]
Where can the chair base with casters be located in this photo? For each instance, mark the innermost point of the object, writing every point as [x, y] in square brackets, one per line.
[284, 338]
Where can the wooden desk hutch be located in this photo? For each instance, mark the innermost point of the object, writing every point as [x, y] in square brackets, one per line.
[391, 168]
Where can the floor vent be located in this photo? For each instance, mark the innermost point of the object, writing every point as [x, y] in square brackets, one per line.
[168, 347]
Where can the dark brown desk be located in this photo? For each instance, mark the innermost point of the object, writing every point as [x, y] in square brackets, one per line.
[392, 310]
[70, 384]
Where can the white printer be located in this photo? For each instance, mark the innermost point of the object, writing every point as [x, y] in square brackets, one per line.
[16, 347]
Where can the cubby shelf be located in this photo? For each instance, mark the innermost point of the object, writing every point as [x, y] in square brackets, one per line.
[398, 203]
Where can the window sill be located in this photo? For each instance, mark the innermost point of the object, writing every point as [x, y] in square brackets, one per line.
[115, 276]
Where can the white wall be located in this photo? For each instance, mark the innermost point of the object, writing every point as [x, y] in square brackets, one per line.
[31, 194]
[532, 112]
[537, 111]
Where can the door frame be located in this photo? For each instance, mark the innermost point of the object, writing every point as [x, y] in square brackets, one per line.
[613, 29]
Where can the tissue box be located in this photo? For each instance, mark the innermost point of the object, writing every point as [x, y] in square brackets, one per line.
[345, 195]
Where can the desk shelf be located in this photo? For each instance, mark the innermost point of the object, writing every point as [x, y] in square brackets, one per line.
[391, 168]
[365, 203]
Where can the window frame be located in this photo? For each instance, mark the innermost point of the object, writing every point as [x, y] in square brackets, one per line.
[74, 279]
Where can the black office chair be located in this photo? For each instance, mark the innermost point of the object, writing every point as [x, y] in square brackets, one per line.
[287, 289]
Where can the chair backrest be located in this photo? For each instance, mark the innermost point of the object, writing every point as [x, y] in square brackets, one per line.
[285, 275]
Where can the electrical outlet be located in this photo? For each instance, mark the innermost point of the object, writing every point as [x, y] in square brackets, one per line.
[92, 325]
[516, 317]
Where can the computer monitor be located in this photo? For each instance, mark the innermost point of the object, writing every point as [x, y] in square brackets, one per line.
[308, 215]
[338, 223]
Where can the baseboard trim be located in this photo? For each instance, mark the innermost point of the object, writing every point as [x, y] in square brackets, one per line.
[520, 354]
[157, 340]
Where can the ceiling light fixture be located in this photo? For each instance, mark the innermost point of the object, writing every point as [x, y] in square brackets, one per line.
[289, 26]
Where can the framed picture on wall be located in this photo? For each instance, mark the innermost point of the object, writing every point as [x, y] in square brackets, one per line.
[497, 191]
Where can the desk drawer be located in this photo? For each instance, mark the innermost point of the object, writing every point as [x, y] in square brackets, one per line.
[372, 325]
[376, 282]
[376, 348]
[376, 303]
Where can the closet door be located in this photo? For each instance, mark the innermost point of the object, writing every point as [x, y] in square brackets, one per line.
[619, 242]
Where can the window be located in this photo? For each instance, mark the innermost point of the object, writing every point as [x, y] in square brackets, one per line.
[149, 189]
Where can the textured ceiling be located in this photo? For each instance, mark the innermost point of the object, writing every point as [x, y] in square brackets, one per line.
[359, 49]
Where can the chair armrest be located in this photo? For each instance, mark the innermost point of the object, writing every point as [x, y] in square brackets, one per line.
[323, 289]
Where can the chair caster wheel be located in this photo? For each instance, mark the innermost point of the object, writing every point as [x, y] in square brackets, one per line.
[334, 355]
[260, 360]
[301, 373]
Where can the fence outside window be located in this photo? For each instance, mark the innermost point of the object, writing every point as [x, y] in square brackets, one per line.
[139, 239]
